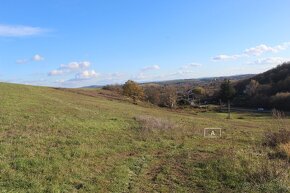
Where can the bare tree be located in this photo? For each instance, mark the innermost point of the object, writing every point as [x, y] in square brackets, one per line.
[251, 88]
[168, 96]
[152, 94]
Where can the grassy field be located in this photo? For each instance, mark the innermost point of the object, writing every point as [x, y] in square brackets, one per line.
[55, 140]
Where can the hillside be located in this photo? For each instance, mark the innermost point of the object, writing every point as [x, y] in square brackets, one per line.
[84, 140]
[271, 89]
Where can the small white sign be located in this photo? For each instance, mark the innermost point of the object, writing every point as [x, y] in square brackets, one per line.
[212, 132]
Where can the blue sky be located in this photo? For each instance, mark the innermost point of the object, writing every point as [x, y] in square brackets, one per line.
[72, 43]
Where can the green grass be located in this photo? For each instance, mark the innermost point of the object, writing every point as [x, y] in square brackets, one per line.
[59, 141]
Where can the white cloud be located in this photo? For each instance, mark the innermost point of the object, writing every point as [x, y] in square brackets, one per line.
[37, 58]
[260, 49]
[59, 81]
[91, 77]
[283, 46]
[56, 72]
[254, 51]
[224, 57]
[148, 68]
[87, 74]
[76, 65]
[273, 61]
[192, 65]
[70, 67]
[19, 30]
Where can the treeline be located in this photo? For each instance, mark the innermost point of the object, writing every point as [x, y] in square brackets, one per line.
[170, 96]
[270, 89]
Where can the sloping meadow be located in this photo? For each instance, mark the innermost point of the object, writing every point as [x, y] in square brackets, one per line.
[55, 140]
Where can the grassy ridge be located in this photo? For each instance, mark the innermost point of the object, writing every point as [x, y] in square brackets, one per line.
[60, 141]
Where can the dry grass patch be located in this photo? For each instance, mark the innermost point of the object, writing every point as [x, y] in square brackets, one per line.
[273, 139]
[278, 141]
[154, 127]
[149, 123]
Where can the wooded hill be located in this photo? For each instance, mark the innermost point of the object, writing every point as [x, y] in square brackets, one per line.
[270, 89]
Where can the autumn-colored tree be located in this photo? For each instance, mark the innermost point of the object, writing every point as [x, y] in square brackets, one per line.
[198, 93]
[133, 90]
[227, 92]
[198, 90]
